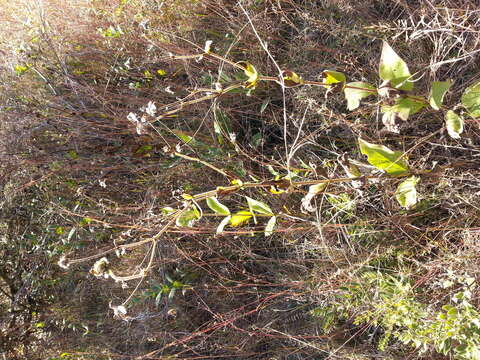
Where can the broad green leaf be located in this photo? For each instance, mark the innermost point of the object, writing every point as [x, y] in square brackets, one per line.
[392, 68]
[270, 226]
[383, 158]
[439, 89]
[404, 107]
[454, 124]
[258, 206]
[223, 223]
[406, 193]
[354, 96]
[333, 77]
[471, 99]
[252, 75]
[217, 207]
[291, 79]
[240, 218]
[188, 218]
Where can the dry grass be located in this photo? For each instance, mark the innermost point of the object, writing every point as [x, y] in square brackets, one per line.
[77, 179]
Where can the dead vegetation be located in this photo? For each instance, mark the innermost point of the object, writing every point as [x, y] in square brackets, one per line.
[83, 178]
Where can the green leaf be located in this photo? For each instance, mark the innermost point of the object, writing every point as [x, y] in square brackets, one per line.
[188, 218]
[393, 69]
[454, 124]
[258, 206]
[265, 103]
[471, 99]
[167, 210]
[333, 77]
[252, 75]
[439, 89]
[72, 154]
[406, 193]
[217, 207]
[383, 158]
[85, 221]
[240, 218]
[184, 137]
[404, 107]
[291, 79]
[270, 226]
[354, 96]
[223, 223]
[221, 125]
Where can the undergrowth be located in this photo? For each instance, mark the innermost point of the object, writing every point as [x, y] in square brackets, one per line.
[252, 179]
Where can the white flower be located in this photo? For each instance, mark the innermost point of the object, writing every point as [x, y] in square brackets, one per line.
[208, 45]
[140, 128]
[63, 262]
[151, 108]
[119, 311]
[102, 183]
[132, 117]
[100, 267]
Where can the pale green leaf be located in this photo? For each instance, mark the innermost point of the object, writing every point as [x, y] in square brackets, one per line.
[222, 224]
[291, 79]
[270, 226]
[404, 107]
[392, 68]
[471, 99]
[454, 124]
[439, 89]
[406, 193]
[217, 207]
[333, 77]
[354, 96]
[221, 125]
[383, 158]
[240, 218]
[313, 190]
[188, 218]
[252, 75]
[167, 210]
[258, 206]
[184, 137]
